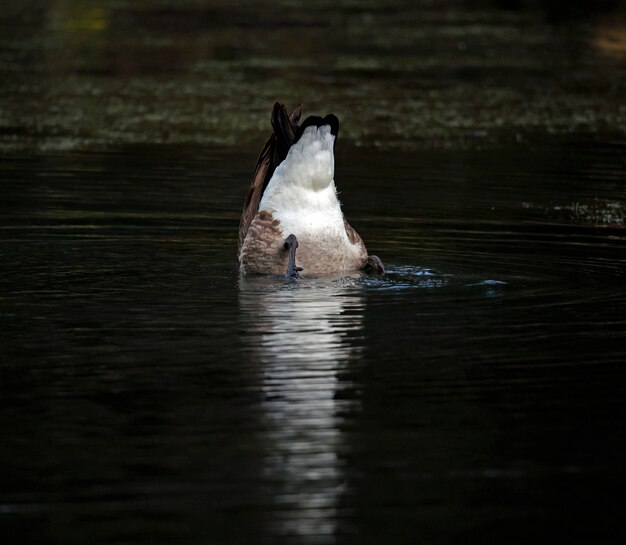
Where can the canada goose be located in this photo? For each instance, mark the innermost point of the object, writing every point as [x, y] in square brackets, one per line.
[292, 205]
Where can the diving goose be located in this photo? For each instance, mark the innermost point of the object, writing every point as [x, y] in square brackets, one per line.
[292, 219]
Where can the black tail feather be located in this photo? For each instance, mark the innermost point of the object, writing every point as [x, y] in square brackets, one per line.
[317, 121]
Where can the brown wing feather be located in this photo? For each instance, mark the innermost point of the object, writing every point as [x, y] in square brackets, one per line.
[273, 153]
[294, 118]
[259, 182]
[353, 236]
[372, 263]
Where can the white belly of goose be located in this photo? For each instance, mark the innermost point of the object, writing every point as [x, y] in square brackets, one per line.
[302, 196]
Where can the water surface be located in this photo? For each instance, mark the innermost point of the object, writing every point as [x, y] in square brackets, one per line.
[152, 394]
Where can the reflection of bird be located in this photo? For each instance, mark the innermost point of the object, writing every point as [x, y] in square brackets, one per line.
[303, 342]
[292, 203]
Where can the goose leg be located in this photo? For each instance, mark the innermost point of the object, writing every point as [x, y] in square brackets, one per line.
[291, 243]
[374, 265]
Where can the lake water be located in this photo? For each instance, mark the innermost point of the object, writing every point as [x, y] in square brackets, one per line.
[151, 394]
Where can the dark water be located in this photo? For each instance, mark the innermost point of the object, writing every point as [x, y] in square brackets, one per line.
[475, 394]
[152, 395]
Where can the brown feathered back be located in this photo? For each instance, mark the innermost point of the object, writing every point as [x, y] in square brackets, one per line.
[273, 153]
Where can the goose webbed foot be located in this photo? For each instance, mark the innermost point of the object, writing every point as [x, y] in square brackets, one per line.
[291, 243]
[374, 265]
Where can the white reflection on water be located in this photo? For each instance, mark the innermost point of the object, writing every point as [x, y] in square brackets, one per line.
[304, 334]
